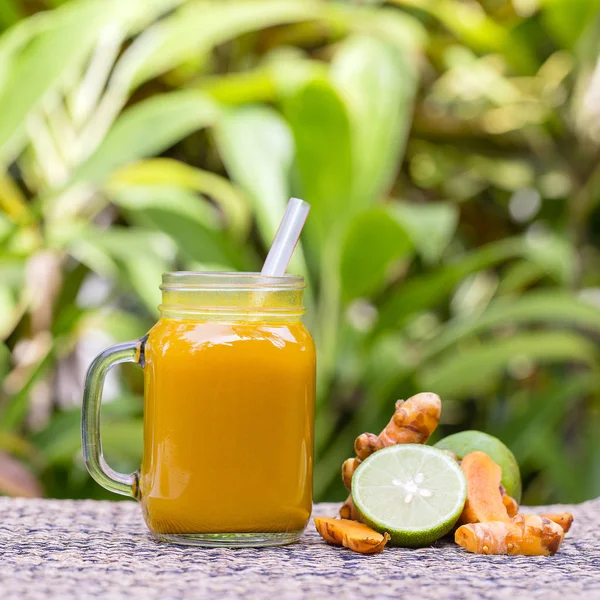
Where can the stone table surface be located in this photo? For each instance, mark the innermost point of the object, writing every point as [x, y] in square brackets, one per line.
[62, 549]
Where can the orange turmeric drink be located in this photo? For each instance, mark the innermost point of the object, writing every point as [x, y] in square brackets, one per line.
[228, 437]
[229, 378]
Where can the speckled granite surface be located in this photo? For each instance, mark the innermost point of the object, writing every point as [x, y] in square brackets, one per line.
[52, 549]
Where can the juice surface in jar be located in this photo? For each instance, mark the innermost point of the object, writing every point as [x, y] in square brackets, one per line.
[228, 422]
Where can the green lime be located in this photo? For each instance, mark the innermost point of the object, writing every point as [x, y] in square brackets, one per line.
[470, 441]
[416, 493]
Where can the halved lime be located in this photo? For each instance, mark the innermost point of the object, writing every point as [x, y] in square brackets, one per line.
[465, 442]
[416, 493]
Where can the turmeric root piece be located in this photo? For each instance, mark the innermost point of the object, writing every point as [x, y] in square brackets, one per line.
[511, 505]
[368, 443]
[527, 535]
[565, 520]
[413, 422]
[348, 510]
[484, 499]
[350, 534]
[348, 468]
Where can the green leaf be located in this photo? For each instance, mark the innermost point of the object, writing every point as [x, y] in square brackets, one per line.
[553, 254]
[4, 360]
[430, 289]
[470, 24]
[7, 227]
[119, 325]
[544, 413]
[519, 277]
[137, 15]
[14, 205]
[144, 274]
[136, 257]
[124, 440]
[388, 24]
[262, 174]
[12, 271]
[60, 440]
[93, 257]
[547, 307]
[566, 20]
[199, 26]
[147, 128]
[169, 172]
[11, 12]
[475, 369]
[59, 43]
[13, 41]
[8, 311]
[430, 226]
[374, 241]
[138, 199]
[15, 409]
[66, 307]
[567, 475]
[321, 127]
[378, 84]
[65, 40]
[192, 223]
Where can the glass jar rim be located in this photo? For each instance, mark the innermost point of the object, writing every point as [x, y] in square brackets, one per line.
[229, 280]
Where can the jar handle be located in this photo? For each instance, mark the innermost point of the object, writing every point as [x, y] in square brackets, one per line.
[127, 352]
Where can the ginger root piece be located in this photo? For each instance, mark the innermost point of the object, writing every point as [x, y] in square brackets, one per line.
[511, 505]
[484, 498]
[350, 534]
[413, 422]
[565, 520]
[527, 535]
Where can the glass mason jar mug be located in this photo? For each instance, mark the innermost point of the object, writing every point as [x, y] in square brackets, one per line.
[229, 389]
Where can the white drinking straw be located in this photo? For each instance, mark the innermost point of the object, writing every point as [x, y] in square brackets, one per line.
[286, 238]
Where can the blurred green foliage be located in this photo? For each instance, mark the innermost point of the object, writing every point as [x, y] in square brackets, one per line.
[450, 150]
